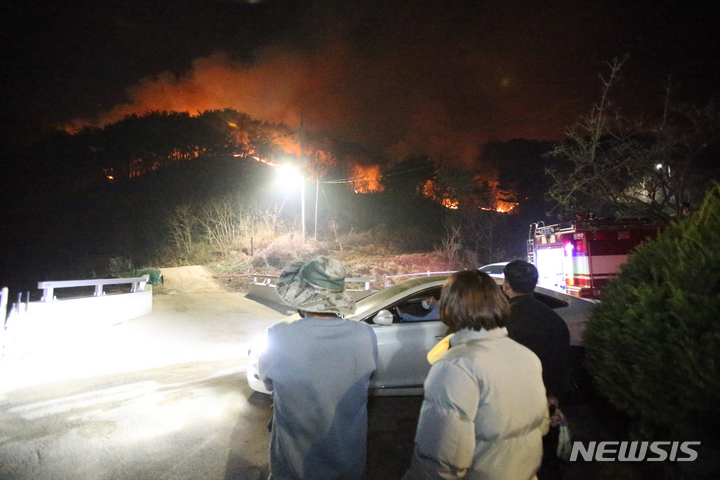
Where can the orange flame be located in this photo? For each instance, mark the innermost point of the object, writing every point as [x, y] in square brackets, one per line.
[502, 198]
[429, 189]
[451, 204]
[366, 179]
[505, 207]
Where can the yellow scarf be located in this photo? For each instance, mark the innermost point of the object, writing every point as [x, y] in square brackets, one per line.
[439, 350]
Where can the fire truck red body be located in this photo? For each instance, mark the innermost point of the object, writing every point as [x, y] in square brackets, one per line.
[579, 257]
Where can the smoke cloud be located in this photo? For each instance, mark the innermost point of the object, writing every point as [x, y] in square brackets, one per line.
[409, 78]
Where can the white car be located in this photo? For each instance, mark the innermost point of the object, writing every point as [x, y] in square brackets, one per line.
[494, 268]
[403, 345]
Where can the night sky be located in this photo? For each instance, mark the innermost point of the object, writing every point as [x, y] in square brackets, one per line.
[401, 77]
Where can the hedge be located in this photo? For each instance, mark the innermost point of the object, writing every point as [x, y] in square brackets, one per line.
[653, 342]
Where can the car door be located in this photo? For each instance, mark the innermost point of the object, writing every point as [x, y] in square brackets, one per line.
[573, 310]
[403, 348]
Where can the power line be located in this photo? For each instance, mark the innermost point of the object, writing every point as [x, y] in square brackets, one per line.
[351, 180]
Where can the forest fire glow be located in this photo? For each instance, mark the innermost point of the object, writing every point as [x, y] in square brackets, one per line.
[451, 204]
[500, 200]
[366, 179]
[503, 198]
[267, 161]
[505, 207]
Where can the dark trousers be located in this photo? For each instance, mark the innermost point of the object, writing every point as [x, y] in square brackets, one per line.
[551, 467]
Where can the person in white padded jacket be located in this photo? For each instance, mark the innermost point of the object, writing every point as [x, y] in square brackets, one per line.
[485, 411]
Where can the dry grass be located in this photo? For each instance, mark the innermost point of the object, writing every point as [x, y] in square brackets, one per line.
[286, 249]
[364, 254]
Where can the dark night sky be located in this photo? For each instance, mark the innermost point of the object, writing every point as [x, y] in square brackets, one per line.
[400, 76]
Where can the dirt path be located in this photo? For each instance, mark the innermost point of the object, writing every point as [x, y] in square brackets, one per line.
[192, 279]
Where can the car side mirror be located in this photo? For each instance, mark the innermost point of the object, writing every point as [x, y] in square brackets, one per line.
[383, 317]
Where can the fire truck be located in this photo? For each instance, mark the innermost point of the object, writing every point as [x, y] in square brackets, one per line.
[579, 257]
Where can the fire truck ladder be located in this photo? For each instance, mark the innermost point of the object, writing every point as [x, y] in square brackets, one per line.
[531, 242]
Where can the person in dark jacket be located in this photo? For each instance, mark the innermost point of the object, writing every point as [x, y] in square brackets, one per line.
[539, 328]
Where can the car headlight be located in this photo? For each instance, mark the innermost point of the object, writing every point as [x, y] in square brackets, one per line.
[257, 346]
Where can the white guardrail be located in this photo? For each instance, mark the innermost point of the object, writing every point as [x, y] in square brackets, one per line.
[33, 325]
[138, 285]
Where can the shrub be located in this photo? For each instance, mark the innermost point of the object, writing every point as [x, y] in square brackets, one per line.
[451, 246]
[286, 249]
[653, 343]
[382, 239]
[223, 225]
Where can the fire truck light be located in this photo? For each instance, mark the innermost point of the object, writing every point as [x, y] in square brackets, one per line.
[569, 248]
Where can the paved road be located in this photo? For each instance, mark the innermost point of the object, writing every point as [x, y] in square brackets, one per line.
[158, 397]
[165, 397]
[162, 397]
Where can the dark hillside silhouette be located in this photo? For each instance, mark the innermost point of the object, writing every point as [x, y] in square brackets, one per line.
[74, 201]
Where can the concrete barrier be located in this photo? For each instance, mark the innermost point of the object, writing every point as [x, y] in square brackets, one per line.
[36, 325]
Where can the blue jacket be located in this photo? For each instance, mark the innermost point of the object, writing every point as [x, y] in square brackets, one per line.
[319, 371]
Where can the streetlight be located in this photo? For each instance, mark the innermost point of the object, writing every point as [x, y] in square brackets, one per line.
[304, 166]
[296, 175]
[289, 176]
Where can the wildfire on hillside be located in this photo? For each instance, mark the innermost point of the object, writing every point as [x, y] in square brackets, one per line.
[451, 204]
[500, 200]
[430, 189]
[289, 145]
[505, 207]
[503, 198]
[268, 161]
[366, 179]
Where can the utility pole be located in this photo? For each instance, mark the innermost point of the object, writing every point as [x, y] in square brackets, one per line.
[317, 190]
[302, 180]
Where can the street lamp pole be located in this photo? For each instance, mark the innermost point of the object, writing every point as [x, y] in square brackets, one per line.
[302, 180]
[317, 191]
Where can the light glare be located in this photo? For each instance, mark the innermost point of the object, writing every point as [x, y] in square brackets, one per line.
[289, 177]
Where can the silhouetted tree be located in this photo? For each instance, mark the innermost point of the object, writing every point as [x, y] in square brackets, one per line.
[612, 165]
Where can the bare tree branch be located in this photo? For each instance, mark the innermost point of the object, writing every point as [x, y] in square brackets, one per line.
[611, 165]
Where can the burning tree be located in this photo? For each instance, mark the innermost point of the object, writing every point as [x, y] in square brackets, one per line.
[367, 179]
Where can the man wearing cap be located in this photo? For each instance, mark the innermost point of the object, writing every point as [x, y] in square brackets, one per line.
[319, 370]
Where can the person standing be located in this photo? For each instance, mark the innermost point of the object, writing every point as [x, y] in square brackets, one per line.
[319, 370]
[537, 326]
[484, 410]
[542, 330]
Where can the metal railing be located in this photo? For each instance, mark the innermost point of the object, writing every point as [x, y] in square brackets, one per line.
[48, 288]
[4, 294]
[268, 280]
[422, 274]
